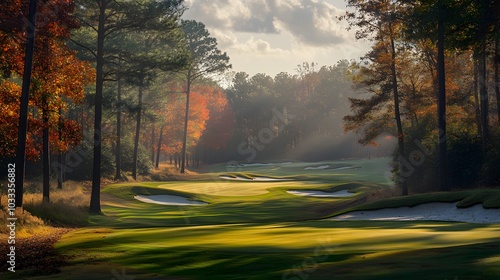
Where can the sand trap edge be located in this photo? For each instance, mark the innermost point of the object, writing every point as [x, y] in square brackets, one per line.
[165, 199]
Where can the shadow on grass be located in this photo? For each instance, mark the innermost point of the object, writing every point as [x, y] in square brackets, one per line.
[476, 261]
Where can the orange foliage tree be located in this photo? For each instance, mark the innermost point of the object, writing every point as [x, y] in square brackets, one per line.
[220, 124]
[58, 79]
[210, 120]
[173, 117]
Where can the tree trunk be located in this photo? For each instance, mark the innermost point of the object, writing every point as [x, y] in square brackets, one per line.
[477, 110]
[45, 151]
[483, 93]
[198, 157]
[159, 149]
[23, 114]
[95, 196]
[118, 150]
[397, 113]
[137, 133]
[497, 73]
[186, 119]
[443, 164]
[59, 153]
[153, 143]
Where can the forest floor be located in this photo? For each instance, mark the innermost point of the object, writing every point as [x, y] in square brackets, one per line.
[253, 228]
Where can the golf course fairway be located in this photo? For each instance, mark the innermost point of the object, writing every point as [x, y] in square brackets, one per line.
[256, 230]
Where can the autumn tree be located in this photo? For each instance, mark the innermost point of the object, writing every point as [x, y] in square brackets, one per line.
[380, 19]
[205, 59]
[220, 123]
[453, 25]
[172, 135]
[58, 78]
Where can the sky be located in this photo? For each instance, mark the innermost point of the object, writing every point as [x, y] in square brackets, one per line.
[273, 36]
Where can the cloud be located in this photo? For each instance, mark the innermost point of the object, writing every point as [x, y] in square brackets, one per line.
[310, 22]
[240, 15]
[258, 46]
[230, 42]
[224, 39]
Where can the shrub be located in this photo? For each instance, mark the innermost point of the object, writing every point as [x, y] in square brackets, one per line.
[470, 164]
[144, 163]
[490, 170]
[80, 162]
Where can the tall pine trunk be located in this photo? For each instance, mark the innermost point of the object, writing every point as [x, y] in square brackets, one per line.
[60, 153]
[23, 113]
[118, 150]
[137, 133]
[483, 93]
[45, 138]
[45, 150]
[443, 159]
[497, 73]
[157, 164]
[397, 113]
[477, 110]
[153, 143]
[95, 195]
[186, 119]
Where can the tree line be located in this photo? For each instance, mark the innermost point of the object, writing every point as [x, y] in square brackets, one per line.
[117, 87]
[119, 47]
[430, 77]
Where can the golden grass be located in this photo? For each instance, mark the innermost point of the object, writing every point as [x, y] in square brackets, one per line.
[67, 207]
[26, 224]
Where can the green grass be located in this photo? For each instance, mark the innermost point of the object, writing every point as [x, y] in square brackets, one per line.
[372, 170]
[275, 205]
[346, 250]
[256, 230]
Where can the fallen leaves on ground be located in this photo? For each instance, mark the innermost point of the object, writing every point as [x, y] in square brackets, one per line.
[34, 252]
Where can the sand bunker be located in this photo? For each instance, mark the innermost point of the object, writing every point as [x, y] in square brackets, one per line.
[321, 167]
[236, 178]
[254, 179]
[344, 167]
[317, 167]
[258, 164]
[342, 193]
[166, 199]
[267, 179]
[436, 211]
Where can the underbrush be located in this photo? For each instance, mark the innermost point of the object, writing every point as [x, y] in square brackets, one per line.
[68, 207]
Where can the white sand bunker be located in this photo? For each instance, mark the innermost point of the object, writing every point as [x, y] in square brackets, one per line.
[342, 193]
[258, 164]
[317, 167]
[436, 211]
[236, 178]
[254, 179]
[344, 167]
[267, 179]
[321, 167]
[166, 199]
